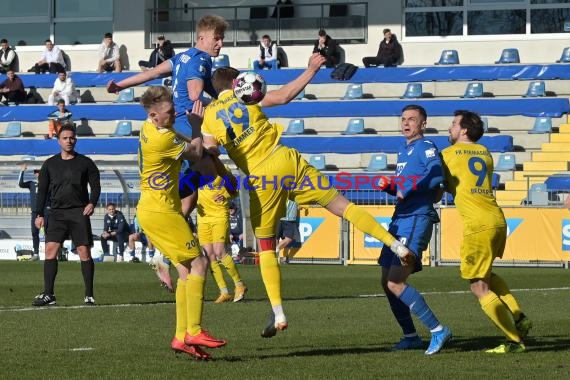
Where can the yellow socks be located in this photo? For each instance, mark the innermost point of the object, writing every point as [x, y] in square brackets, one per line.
[500, 315]
[367, 224]
[218, 275]
[194, 303]
[228, 262]
[271, 275]
[500, 288]
[181, 316]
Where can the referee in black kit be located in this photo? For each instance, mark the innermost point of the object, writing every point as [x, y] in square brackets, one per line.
[65, 177]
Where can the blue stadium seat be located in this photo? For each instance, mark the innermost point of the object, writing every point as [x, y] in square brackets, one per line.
[296, 127]
[510, 55]
[495, 181]
[300, 95]
[473, 90]
[538, 194]
[413, 91]
[378, 162]
[355, 126]
[222, 60]
[535, 88]
[448, 57]
[318, 161]
[565, 57]
[123, 128]
[506, 162]
[13, 129]
[447, 199]
[126, 96]
[541, 125]
[353, 91]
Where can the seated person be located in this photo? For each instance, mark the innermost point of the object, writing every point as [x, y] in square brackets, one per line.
[236, 225]
[328, 48]
[51, 61]
[12, 89]
[63, 88]
[267, 55]
[115, 228]
[161, 53]
[389, 54]
[8, 57]
[137, 234]
[57, 119]
[109, 55]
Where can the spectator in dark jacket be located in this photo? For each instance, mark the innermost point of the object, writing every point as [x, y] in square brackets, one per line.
[389, 53]
[161, 53]
[8, 57]
[115, 228]
[328, 48]
[12, 88]
[236, 225]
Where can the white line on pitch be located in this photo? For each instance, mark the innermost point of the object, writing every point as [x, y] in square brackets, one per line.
[468, 291]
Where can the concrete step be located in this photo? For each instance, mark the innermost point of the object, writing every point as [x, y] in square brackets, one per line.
[522, 184]
[515, 196]
[523, 174]
[508, 202]
[564, 128]
[546, 166]
[550, 156]
[556, 147]
[559, 137]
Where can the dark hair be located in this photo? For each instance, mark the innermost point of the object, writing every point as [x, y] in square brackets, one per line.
[223, 78]
[67, 127]
[232, 205]
[416, 107]
[35, 170]
[48, 40]
[386, 31]
[322, 33]
[161, 37]
[110, 204]
[60, 100]
[108, 35]
[3, 41]
[61, 71]
[266, 36]
[472, 122]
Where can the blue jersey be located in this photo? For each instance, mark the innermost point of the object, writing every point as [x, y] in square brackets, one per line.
[419, 176]
[191, 64]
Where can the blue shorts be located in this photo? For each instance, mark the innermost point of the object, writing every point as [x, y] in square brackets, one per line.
[412, 231]
[182, 125]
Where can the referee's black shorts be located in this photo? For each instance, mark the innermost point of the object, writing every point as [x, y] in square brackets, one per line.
[70, 221]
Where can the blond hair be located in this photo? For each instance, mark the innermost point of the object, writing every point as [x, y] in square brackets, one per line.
[212, 22]
[154, 95]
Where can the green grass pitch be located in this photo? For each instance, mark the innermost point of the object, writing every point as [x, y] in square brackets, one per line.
[340, 328]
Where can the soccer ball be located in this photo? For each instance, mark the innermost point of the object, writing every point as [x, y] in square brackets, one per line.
[249, 88]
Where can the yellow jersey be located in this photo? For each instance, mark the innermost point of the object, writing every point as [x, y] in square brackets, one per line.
[159, 166]
[207, 207]
[468, 170]
[244, 131]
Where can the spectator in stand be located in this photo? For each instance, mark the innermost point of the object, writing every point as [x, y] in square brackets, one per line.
[109, 56]
[236, 225]
[288, 231]
[7, 57]
[137, 234]
[12, 89]
[115, 228]
[51, 60]
[57, 119]
[63, 88]
[328, 48]
[389, 54]
[161, 53]
[267, 55]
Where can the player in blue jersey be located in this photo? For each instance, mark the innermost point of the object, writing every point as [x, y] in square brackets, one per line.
[417, 185]
[191, 75]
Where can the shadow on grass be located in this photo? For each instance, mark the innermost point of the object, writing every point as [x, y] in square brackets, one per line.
[551, 343]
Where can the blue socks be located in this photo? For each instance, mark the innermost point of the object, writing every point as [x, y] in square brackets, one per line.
[419, 307]
[402, 313]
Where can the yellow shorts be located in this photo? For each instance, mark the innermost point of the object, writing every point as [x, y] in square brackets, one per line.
[284, 175]
[213, 230]
[478, 250]
[170, 233]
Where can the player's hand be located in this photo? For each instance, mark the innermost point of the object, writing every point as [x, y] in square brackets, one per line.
[567, 202]
[39, 222]
[213, 151]
[383, 182]
[88, 210]
[197, 115]
[23, 166]
[400, 196]
[316, 61]
[113, 88]
[219, 198]
[406, 256]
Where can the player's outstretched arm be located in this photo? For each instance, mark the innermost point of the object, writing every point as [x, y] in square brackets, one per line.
[288, 92]
[194, 148]
[158, 71]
